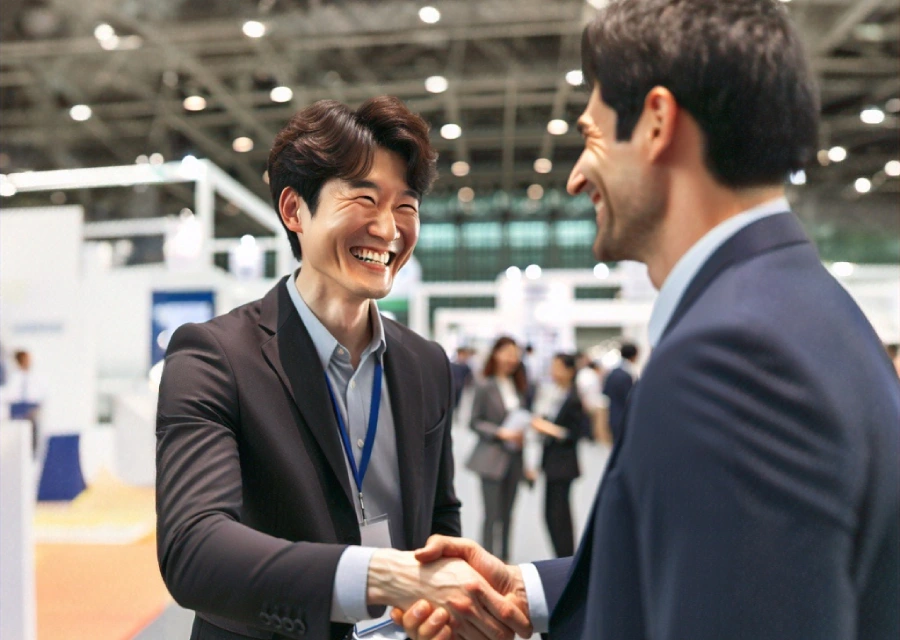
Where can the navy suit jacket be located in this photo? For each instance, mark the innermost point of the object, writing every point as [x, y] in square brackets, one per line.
[755, 492]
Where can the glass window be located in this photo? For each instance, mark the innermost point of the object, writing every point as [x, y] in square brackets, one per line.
[482, 234]
[528, 234]
[437, 236]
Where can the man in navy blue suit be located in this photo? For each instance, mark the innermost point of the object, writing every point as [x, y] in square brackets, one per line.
[617, 387]
[755, 489]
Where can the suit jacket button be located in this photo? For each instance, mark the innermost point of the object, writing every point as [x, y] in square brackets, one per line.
[276, 622]
[288, 625]
[265, 618]
[299, 626]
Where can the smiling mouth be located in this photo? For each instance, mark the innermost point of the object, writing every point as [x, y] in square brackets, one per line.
[370, 256]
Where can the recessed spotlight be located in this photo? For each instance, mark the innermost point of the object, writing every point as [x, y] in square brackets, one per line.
[254, 29]
[557, 127]
[142, 159]
[242, 144]
[103, 32]
[460, 168]
[872, 115]
[837, 154]
[543, 165]
[514, 273]
[7, 188]
[194, 103]
[436, 84]
[575, 77]
[281, 94]
[451, 131]
[533, 272]
[466, 194]
[798, 177]
[892, 168]
[535, 191]
[862, 185]
[80, 113]
[601, 271]
[843, 269]
[429, 15]
[156, 158]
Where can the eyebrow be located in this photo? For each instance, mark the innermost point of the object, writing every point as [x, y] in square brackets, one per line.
[368, 184]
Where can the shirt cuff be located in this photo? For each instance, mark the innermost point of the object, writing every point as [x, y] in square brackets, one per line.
[537, 600]
[348, 599]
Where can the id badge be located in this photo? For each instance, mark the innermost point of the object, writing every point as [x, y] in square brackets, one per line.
[377, 533]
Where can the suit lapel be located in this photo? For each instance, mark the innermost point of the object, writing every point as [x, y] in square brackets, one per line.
[292, 354]
[404, 378]
[770, 233]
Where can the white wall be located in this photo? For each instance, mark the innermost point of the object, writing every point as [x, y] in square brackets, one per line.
[43, 310]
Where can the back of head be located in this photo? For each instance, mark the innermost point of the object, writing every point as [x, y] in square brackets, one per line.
[329, 140]
[736, 66]
[629, 351]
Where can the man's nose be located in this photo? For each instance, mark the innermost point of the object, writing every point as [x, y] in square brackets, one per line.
[577, 181]
[383, 225]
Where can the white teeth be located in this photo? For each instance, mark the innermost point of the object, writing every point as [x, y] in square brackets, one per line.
[380, 257]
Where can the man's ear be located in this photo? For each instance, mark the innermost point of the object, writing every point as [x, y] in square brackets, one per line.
[291, 205]
[660, 116]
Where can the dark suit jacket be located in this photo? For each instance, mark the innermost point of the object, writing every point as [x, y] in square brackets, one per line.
[617, 386]
[560, 460]
[491, 459]
[253, 497]
[756, 490]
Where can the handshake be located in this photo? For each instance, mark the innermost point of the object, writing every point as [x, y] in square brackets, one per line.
[451, 588]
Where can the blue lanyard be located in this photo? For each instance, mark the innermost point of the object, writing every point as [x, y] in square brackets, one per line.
[359, 474]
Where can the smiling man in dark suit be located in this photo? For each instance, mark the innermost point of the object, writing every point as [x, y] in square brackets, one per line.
[754, 491]
[297, 427]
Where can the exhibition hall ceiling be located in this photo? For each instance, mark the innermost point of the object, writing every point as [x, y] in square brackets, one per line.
[107, 82]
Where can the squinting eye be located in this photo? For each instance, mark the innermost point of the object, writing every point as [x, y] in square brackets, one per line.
[369, 198]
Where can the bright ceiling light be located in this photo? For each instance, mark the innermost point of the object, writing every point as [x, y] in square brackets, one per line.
[532, 272]
[436, 84]
[142, 159]
[80, 112]
[543, 165]
[822, 157]
[242, 144]
[862, 185]
[7, 188]
[254, 29]
[892, 168]
[281, 94]
[872, 115]
[798, 178]
[575, 77]
[535, 191]
[460, 168]
[843, 269]
[103, 32]
[514, 273]
[466, 194]
[429, 15]
[194, 103]
[837, 154]
[451, 131]
[110, 44]
[601, 271]
[156, 158]
[557, 127]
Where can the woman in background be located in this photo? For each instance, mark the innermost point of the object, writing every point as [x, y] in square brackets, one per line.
[563, 423]
[497, 457]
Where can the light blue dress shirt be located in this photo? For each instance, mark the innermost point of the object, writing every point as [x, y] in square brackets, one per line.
[381, 487]
[670, 295]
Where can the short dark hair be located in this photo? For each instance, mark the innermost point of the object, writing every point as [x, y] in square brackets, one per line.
[20, 355]
[628, 351]
[568, 360]
[490, 367]
[329, 140]
[737, 66]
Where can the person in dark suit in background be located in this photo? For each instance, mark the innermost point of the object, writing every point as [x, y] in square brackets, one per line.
[497, 457]
[564, 424]
[754, 491]
[461, 372]
[618, 385]
[296, 427]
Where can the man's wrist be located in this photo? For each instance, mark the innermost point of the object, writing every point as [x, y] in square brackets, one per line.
[517, 589]
[387, 582]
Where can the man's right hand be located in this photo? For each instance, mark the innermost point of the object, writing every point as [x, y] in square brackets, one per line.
[423, 621]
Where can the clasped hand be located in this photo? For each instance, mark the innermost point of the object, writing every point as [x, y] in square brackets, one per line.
[465, 593]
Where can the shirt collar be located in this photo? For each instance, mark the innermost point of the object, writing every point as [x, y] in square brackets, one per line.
[325, 343]
[687, 267]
